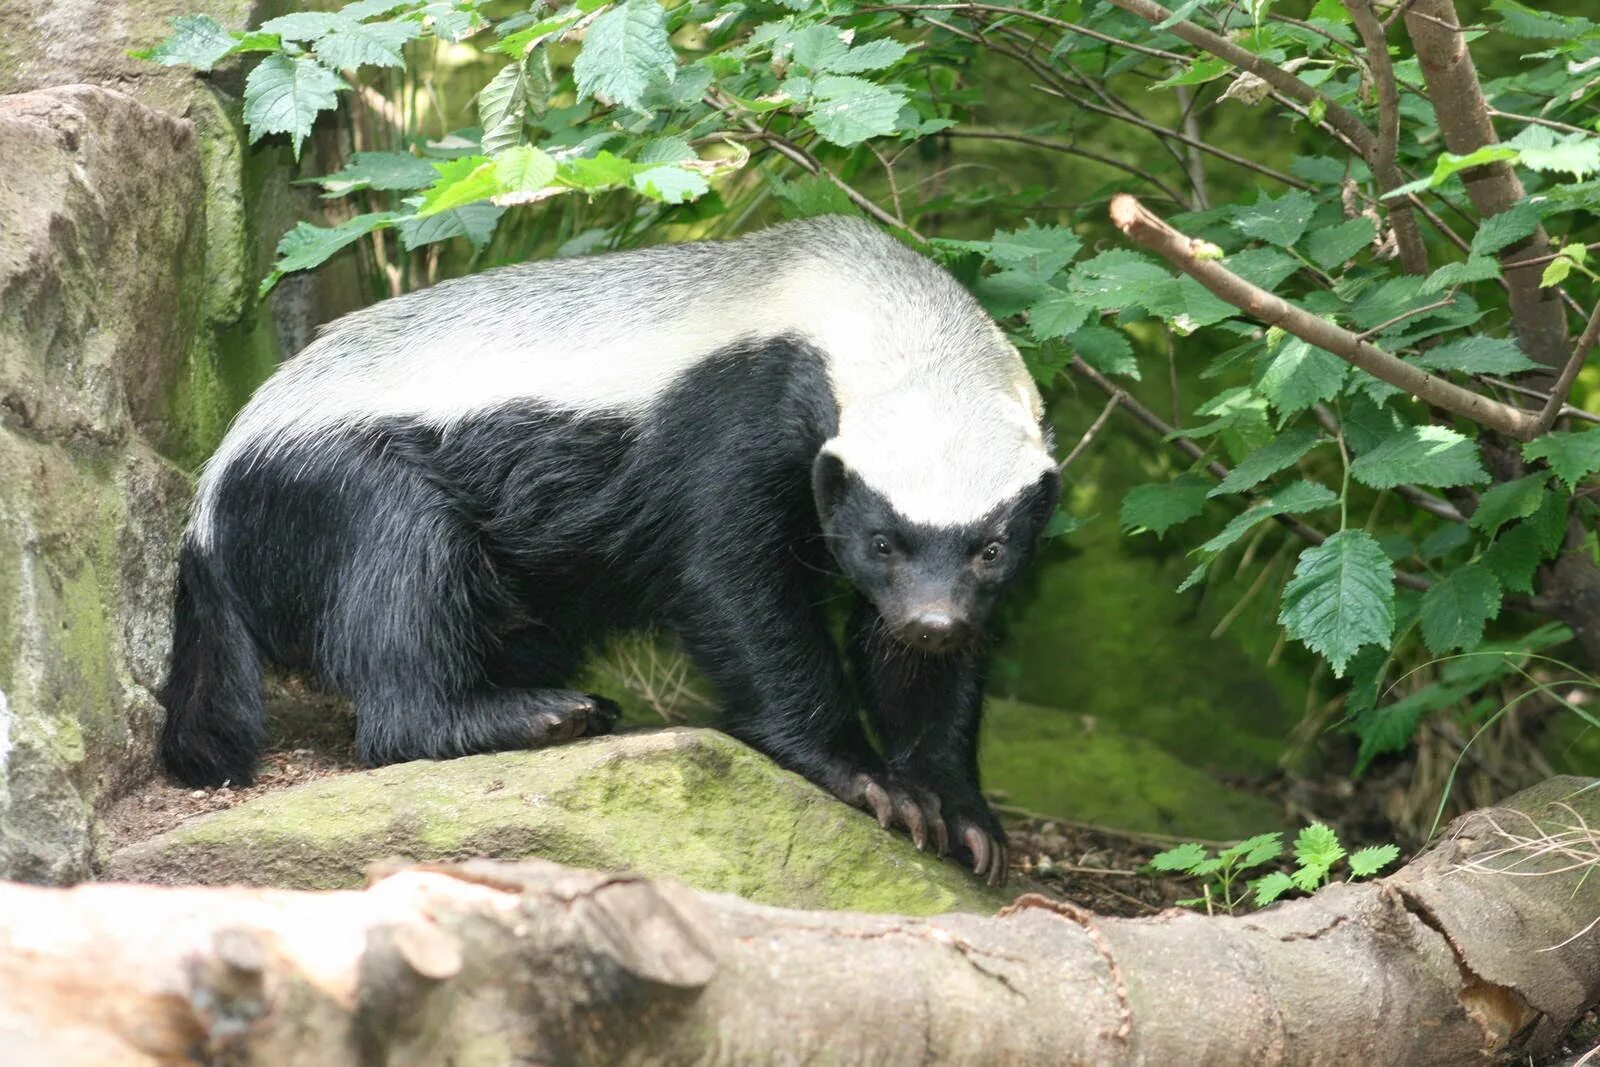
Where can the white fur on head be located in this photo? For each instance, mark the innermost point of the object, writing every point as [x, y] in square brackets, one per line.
[613, 333]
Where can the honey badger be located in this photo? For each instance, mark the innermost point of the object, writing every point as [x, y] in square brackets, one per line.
[446, 500]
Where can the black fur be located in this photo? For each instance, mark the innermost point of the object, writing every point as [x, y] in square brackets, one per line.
[450, 581]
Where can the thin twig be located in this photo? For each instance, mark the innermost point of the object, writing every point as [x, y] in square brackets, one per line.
[1093, 431]
[1067, 148]
[1198, 260]
[1567, 410]
[1537, 121]
[1031, 16]
[1569, 374]
[1404, 315]
[1382, 152]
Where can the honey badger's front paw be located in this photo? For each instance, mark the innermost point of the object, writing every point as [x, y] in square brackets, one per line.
[896, 803]
[982, 843]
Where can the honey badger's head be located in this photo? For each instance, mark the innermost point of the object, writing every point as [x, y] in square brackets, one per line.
[932, 509]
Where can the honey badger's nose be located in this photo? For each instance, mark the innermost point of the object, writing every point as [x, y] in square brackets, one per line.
[934, 631]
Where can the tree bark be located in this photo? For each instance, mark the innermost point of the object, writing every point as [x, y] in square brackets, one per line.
[1453, 958]
[1463, 113]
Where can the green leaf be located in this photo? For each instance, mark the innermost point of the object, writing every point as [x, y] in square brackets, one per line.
[1329, 248]
[1518, 551]
[1105, 349]
[522, 173]
[305, 25]
[1473, 269]
[1477, 354]
[872, 55]
[1293, 499]
[475, 222]
[1572, 454]
[1278, 222]
[461, 181]
[1040, 250]
[1455, 609]
[1341, 597]
[284, 95]
[1282, 451]
[1521, 21]
[1298, 375]
[625, 52]
[807, 197]
[1272, 887]
[1317, 847]
[1057, 315]
[1421, 455]
[1266, 267]
[1556, 271]
[379, 170]
[1541, 148]
[848, 110]
[1183, 858]
[359, 44]
[197, 41]
[671, 184]
[824, 50]
[1118, 278]
[1507, 501]
[503, 107]
[1161, 506]
[1508, 227]
[1253, 851]
[308, 246]
[1366, 862]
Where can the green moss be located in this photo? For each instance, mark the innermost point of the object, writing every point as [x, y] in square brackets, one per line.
[1077, 768]
[690, 804]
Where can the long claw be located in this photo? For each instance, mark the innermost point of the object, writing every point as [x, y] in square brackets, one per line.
[941, 835]
[878, 800]
[1002, 866]
[978, 844]
[911, 815]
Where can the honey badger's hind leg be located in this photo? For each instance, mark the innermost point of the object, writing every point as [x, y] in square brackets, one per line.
[408, 630]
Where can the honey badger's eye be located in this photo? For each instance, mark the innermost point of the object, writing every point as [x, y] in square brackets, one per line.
[880, 545]
[992, 552]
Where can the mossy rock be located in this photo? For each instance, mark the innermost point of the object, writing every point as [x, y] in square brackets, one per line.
[1074, 767]
[686, 803]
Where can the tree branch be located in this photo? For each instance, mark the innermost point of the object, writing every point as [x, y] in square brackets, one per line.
[1149, 230]
[1093, 431]
[1464, 119]
[1030, 16]
[1569, 374]
[1067, 148]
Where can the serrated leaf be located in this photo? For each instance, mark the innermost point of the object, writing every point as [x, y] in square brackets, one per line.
[1279, 222]
[461, 181]
[1330, 247]
[847, 110]
[1555, 272]
[1183, 858]
[1282, 451]
[1318, 847]
[197, 41]
[379, 170]
[1265, 267]
[872, 55]
[1477, 355]
[1541, 148]
[1506, 228]
[1572, 454]
[596, 173]
[522, 173]
[1294, 499]
[1118, 278]
[1507, 501]
[1518, 551]
[374, 44]
[1253, 851]
[1105, 349]
[1421, 455]
[284, 95]
[305, 25]
[671, 184]
[1341, 597]
[503, 107]
[1521, 21]
[625, 51]
[1272, 887]
[1473, 269]
[1366, 862]
[1455, 609]
[1161, 506]
[475, 222]
[1298, 375]
[1057, 315]
[1040, 250]
[308, 246]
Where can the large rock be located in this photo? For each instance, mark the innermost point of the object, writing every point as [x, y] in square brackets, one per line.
[693, 804]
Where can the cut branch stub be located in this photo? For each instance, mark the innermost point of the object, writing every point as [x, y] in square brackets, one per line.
[1200, 261]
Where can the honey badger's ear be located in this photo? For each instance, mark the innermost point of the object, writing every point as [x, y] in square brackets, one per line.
[828, 477]
[1046, 495]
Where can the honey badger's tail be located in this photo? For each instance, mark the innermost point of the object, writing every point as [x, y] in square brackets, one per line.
[216, 716]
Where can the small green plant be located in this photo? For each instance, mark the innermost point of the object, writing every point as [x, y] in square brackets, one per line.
[1224, 883]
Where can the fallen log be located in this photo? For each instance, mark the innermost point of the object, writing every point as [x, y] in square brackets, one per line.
[1487, 945]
